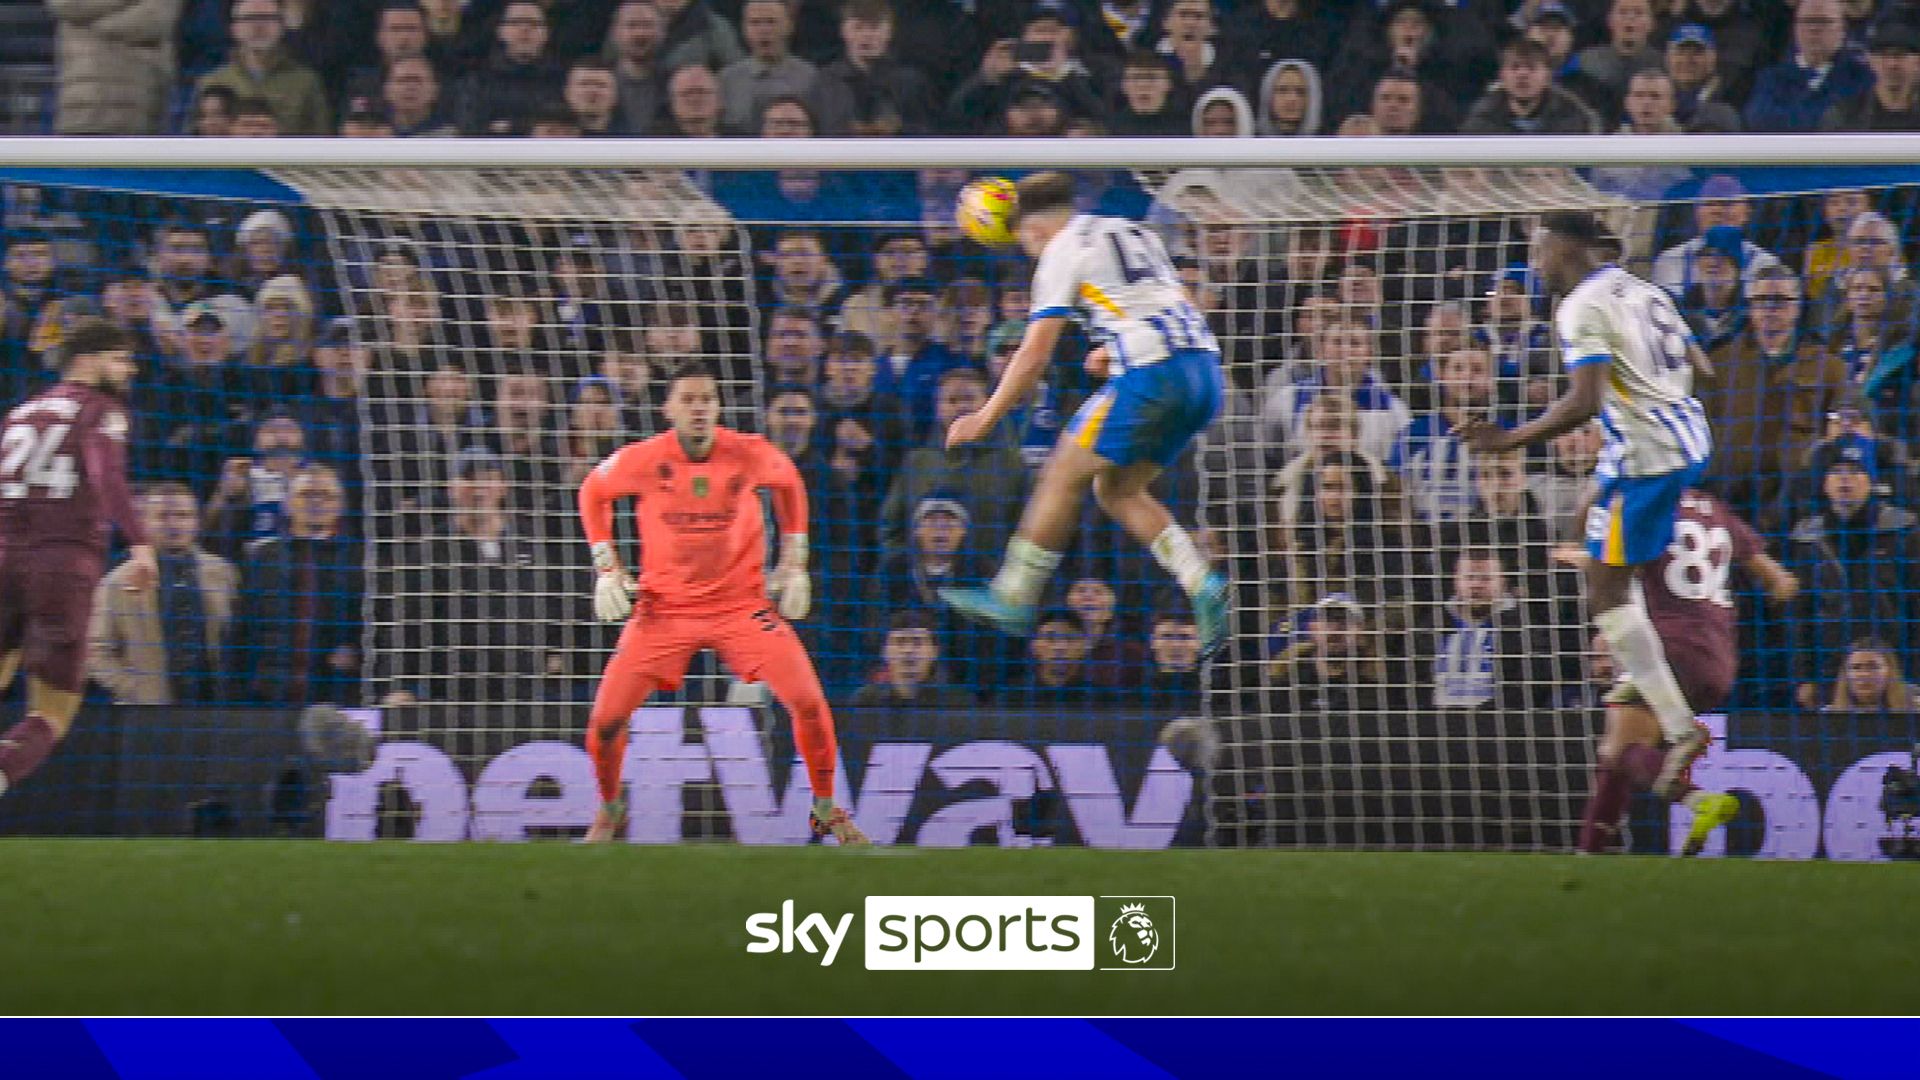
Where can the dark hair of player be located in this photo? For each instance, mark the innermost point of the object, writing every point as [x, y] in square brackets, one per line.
[94, 335]
[692, 368]
[1043, 192]
[1577, 225]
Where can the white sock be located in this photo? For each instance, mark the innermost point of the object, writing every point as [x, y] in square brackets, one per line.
[1692, 799]
[1636, 645]
[1025, 573]
[1175, 550]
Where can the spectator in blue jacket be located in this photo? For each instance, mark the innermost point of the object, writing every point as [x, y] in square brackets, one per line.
[1795, 94]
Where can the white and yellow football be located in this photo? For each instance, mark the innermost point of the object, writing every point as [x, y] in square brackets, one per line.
[985, 211]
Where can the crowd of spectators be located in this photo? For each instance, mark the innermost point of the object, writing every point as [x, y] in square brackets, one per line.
[876, 68]
[438, 423]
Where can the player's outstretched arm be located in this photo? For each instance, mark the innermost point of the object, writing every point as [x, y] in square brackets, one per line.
[1016, 383]
[1579, 405]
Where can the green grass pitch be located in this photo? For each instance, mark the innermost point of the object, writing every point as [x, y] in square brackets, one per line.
[110, 927]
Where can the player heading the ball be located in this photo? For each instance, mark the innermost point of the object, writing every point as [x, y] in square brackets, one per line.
[1631, 359]
[1164, 386]
[63, 480]
[702, 586]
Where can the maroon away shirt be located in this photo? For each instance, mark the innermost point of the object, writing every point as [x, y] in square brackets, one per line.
[63, 477]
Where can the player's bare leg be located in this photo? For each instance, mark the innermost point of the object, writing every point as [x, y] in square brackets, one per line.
[1621, 615]
[620, 693]
[1122, 493]
[1009, 601]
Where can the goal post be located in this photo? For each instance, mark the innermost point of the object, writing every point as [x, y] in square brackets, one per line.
[1412, 665]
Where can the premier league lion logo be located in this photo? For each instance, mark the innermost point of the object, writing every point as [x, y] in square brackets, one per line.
[1132, 936]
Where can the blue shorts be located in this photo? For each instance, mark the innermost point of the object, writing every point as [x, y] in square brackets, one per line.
[1150, 413]
[1631, 521]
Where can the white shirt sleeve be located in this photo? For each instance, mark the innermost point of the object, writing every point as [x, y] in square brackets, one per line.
[1056, 282]
[1584, 336]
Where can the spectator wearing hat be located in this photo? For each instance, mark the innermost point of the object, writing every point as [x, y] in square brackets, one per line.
[299, 623]
[1555, 29]
[467, 620]
[939, 553]
[261, 66]
[1722, 200]
[1713, 303]
[634, 41]
[1819, 73]
[1893, 104]
[1856, 556]
[1700, 98]
[986, 476]
[166, 645]
[769, 70]
[897, 256]
[911, 678]
[1526, 102]
[1771, 388]
[518, 76]
[196, 415]
[410, 96]
[1327, 662]
[116, 64]
[1852, 417]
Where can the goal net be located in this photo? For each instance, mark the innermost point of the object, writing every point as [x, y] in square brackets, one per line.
[1411, 664]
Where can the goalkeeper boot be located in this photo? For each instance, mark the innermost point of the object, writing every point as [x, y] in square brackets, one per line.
[1712, 812]
[1676, 769]
[1210, 614]
[839, 826]
[607, 823]
[983, 605]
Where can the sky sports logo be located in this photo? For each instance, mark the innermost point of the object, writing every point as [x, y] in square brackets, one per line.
[983, 933]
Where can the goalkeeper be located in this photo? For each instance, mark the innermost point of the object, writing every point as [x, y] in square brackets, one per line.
[702, 553]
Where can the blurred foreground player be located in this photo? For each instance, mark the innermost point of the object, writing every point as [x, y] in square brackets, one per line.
[1164, 386]
[63, 480]
[702, 555]
[1630, 361]
[1692, 610]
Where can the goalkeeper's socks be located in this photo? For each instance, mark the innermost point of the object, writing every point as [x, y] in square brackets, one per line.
[1024, 575]
[823, 807]
[1641, 764]
[1175, 550]
[24, 748]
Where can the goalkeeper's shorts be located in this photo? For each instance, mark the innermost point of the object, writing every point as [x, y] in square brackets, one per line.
[750, 641]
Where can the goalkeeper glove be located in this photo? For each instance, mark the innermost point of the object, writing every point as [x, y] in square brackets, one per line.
[613, 591]
[790, 587]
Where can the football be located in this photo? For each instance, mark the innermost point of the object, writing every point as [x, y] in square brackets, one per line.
[985, 211]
